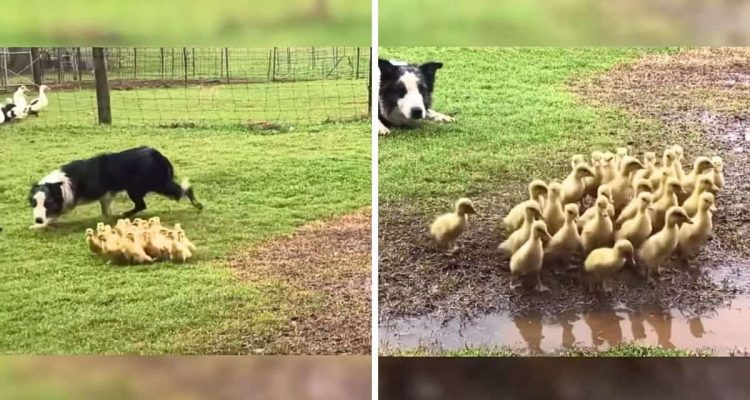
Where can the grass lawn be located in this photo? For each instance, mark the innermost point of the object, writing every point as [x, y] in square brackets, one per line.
[623, 350]
[515, 120]
[57, 298]
[288, 102]
[197, 22]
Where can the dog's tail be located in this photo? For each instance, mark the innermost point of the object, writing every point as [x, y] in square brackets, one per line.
[184, 189]
[187, 191]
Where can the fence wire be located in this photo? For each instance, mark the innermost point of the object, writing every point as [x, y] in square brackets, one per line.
[213, 86]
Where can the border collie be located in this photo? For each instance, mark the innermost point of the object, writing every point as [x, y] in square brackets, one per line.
[405, 96]
[136, 171]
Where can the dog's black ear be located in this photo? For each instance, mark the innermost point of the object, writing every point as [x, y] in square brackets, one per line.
[428, 70]
[387, 70]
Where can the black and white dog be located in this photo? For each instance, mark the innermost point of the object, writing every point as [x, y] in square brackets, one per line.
[405, 96]
[136, 171]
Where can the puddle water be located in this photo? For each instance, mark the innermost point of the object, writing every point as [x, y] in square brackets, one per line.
[724, 332]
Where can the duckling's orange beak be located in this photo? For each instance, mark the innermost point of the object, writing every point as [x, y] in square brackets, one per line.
[713, 209]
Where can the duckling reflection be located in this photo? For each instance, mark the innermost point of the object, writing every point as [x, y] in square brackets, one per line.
[636, 324]
[662, 324]
[605, 327]
[696, 327]
[530, 328]
[566, 322]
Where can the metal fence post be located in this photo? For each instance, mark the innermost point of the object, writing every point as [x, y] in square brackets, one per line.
[102, 86]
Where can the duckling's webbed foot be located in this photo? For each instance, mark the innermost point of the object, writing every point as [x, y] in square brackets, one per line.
[539, 287]
[515, 283]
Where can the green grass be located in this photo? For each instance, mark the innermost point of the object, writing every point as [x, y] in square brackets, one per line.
[57, 298]
[543, 23]
[197, 23]
[622, 350]
[289, 103]
[516, 121]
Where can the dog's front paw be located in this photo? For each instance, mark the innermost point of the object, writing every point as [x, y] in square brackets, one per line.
[442, 118]
[383, 130]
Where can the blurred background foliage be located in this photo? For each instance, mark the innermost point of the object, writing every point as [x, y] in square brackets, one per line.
[185, 378]
[564, 22]
[241, 23]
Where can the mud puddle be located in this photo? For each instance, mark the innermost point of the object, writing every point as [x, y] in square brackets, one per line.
[718, 332]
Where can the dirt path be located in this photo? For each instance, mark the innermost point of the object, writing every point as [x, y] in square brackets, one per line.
[326, 268]
[701, 92]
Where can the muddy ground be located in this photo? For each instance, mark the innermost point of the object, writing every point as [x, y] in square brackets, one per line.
[325, 269]
[702, 92]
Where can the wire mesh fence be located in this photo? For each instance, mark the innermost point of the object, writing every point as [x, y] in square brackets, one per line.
[174, 86]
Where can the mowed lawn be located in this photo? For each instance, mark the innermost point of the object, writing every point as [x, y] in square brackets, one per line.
[302, 102]
[58, 298]
[516, 121]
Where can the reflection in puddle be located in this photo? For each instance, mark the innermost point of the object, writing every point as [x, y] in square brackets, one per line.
[724, 332]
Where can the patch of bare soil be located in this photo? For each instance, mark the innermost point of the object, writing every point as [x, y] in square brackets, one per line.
[326, 268]
[700, 91]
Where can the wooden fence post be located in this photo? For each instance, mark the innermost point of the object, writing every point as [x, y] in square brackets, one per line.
[102, 86]
[36, 66]
[185, 63]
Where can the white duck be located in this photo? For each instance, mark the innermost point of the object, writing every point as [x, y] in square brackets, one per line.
[19, 100]
[39, 103]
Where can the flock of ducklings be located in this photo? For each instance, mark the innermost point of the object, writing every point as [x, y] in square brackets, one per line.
[139, 242]
[643, 213]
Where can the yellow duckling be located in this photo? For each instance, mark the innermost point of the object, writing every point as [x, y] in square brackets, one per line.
[621, 188]
[659, 190]
[529, 257]
[446, 228]
[520, 235]
[609, 167]
[553, 213]
[537, 190]
[131, 246]
[637, 229]
[649, 164]
[178, 252]
[183, 237]
[701, 165]
[705, 184]
[573, 185]
[590, 213]
[641, 186]
[667, 165]
[620, 154]
[577, 159]
[679, 157]
[154, 222]
[593, 182]
[565, 242]
[718, 172]
[604, 262]
[110, 244]
[692, 237]
[660, 206]
[659, 247]
[155, 245]
[598, 231]
[93, 242]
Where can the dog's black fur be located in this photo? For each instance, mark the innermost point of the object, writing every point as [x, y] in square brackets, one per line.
[136, 171]
[392, 89]
[9, 112]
